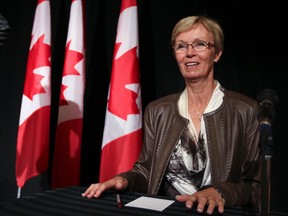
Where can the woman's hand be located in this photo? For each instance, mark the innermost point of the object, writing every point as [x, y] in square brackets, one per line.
[208, 197]
[95, 190]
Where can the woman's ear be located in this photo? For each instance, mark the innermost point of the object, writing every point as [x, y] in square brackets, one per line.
[218, 56]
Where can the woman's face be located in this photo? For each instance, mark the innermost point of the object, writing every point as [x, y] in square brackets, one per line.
[196, 64]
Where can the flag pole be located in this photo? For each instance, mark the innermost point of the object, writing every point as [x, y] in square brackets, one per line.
[18, 192]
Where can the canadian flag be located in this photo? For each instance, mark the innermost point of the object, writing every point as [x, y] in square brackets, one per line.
[122, 137]
[32, 155]
[67, 150]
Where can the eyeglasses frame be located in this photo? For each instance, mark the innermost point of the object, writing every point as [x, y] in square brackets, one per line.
[208, 45]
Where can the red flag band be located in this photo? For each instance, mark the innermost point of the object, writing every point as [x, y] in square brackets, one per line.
[67, 152]
[32, 154]
[122, 138]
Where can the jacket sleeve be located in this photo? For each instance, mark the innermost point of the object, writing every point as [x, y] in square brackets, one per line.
[242, 188]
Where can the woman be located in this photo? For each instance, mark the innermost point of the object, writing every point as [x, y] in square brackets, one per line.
[200, 145]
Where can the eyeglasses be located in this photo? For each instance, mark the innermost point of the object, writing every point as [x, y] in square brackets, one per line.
[198, 46]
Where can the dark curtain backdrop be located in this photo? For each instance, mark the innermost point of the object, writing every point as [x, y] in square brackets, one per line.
[255, 58]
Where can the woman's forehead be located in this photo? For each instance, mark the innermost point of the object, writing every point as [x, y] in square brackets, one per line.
[196, 31]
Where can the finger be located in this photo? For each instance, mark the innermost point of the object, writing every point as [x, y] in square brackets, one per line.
[110, 184]
[202, 202]
[91, 190]
[221, 207]
[182, 198]
[100, 189]
[87, 191]
[191, 201]
[188, 199]
[211, 207]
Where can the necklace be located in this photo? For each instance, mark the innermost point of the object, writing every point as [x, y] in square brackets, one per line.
[199, 114]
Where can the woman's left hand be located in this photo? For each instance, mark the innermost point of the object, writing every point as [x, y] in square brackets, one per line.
[207, 197]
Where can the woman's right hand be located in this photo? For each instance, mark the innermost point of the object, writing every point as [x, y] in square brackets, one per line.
[95, 190]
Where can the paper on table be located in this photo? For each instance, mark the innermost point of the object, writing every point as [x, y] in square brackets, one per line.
[150, 203]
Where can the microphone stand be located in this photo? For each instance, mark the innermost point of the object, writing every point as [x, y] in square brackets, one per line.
[266, 141]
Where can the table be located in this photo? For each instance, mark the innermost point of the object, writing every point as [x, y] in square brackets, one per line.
[68, 201]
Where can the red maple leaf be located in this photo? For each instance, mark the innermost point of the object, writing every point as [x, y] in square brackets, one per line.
[71, 59]
[122, 101]
[38, 57]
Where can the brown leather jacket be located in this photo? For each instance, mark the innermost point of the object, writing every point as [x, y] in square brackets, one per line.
[233, 145]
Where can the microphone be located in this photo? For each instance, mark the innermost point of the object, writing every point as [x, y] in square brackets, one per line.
[267, 98]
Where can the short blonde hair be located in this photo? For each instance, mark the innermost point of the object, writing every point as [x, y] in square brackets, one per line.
[211, 25]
